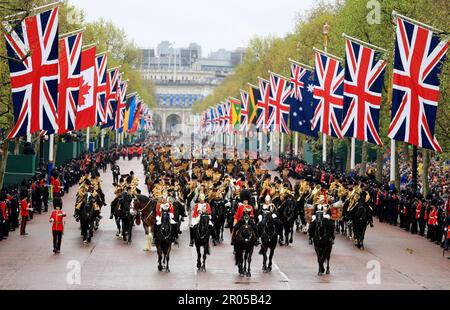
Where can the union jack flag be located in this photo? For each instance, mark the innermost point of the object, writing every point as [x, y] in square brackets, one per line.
[121, 104]
[364, 75]
[279, 109]
[297, 79]
[228, 125]
[100, 87]
[112, 84]
[418, 55]
[263, 105]
[34, 69]
[69, 81]
[221, 117]
[212, 121]
[245, 103]
[328, 95]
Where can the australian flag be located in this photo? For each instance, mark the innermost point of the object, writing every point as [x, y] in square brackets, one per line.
[301, 100]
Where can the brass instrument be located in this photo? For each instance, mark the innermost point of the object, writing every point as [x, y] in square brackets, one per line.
[216, 177]
[209, 173]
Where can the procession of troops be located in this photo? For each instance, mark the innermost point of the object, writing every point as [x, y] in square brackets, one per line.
[259, 207]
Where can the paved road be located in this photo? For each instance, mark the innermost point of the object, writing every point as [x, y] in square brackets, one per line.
[405, 261]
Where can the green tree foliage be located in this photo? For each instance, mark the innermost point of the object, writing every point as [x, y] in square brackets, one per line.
[121, 50]
[350, 17]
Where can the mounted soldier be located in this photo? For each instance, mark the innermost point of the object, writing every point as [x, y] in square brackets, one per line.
[244, 209]
[165, 206]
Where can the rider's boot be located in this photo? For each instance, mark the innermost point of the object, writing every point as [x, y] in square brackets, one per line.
[76, 215]
[233, 236]
[191, 235]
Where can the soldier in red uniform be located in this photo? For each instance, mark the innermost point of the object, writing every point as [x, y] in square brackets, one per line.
[56, 185]
[432, 219]
[4, 217]
[200, 208]
[165, 206]
[58, 224]
[24, 213]
[243, 209]
[416, 217]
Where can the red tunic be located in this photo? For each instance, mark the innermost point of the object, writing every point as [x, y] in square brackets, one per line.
[196, 214]
[58, 223]
[56, 185]
[158, 210]
[240, 211]
[3, 210]
[24, 207]
[431, 217]
[419, 206]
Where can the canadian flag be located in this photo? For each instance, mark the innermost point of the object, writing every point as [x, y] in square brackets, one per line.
[86, 109]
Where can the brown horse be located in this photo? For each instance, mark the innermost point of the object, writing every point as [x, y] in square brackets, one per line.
[146, 209]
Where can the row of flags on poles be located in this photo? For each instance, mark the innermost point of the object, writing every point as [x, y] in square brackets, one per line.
[58, 85]
[344, 99]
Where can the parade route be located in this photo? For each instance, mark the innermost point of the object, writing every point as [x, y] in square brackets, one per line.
[406, 261]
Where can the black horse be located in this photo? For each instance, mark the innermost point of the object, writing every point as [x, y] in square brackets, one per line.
[288, 214]
[301, 221]
[322, 232]
[202, 240]
[231, 210]
[87, 218]
[218, 210]
[126, 215]
[360, 220]
[245, 241]
[269, 239]
[164, 237]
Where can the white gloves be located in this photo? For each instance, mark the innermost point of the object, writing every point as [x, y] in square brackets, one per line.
[274, 216]
[260, 218]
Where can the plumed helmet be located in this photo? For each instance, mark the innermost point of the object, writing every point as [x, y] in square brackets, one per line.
[268, 199]
[245, 195]
[201, 197]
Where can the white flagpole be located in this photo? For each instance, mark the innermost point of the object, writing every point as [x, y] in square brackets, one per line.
[296, 143]
[352, 160]
[102, 139]
[393, 158]
[260, 140]
[88, 132]
[282, 143]
[28, 137]
[51, 147]
[324, 149]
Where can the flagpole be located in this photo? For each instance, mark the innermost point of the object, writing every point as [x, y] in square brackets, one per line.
[51, 148]
[281, 143]
[296, 143]
[102, 138]
[352, 157]
[32, 10]
[62, 36]
[88, 132]
[28, 137]
[393, 159]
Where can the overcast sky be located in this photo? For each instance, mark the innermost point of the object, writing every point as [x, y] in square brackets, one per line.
[213, 24]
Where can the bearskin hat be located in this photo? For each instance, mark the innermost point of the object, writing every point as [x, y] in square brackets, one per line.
[245, 195]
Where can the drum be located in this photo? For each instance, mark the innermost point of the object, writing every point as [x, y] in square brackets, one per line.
[309, 212]
[336, 213]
